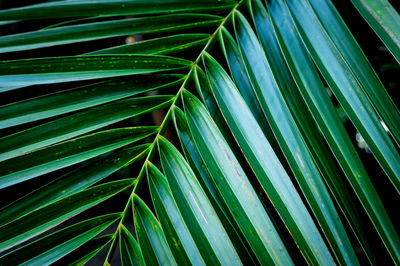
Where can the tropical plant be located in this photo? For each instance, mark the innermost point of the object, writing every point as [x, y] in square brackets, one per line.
[251, 162]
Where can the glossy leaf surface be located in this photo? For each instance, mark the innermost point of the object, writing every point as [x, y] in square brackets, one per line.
[109, 8]
[67, 153]
[44, 218]
[233, 185]
[215, 245]
[289, 136]
[266, 165]
[56, 245]
[72, 182]
[106, 29]
[54, 70]
[150, 236]
[130, 250]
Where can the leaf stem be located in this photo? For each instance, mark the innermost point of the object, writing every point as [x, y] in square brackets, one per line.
[161, 130]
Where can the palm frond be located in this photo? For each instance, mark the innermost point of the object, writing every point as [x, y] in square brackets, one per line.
[251, 162]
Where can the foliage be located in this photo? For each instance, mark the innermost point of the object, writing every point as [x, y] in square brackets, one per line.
[244, 88]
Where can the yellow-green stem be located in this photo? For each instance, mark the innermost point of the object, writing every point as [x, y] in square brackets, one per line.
[163, 126]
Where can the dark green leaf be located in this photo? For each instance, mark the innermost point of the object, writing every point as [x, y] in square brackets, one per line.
[67, 153]
[176, 232]
[243, 82]
[61, 9]
[83, 97]
[72, 182]
[204, 90]
[70, 68]
[358, 62]
[105, 29]
[213, 241]
[312, 88]
[308, 128]
[131, 255]
[47, 217]
[56, 245]
[234, 186]
[289, 137]
[346, 88]
[266, 165]
[162, 46]
[384, 20]
[84, 253]
[78, 124]
[205, 179]
[150, 235]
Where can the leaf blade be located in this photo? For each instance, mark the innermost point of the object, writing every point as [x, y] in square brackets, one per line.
[26, 72]
[49, 216]
[85, 252]
[150, 235]
[176, 232]
[253, 221]
[109, 8]
[82, 97]
[72, 182]
[106, 29]
[346, 89]
[324, 112]
[206, 181]
[53, 247]
[384, 20]
[159, 46]
[67, 153]
[129, 248]
[291, 140]
[78, 124]
[266, 165]
[213, 243]
[358, 62]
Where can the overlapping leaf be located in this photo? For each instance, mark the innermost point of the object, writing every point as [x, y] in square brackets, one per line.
[358, 63]
[40, 162]
[209, 208]
[346, 88]
[150, 235]
[57, 245]
[78, 124]
[234, 186]
[62, 69]
[44, 218]
[290, 138]
[177, 234]
[106, 29]
[266, 165]
[72, 182]
[163, 46]
[130, 250]
[384, 20]
[313, 90]
[200, 170]
[75, 99]
[85, 8]
[85, 252]
[214, 243]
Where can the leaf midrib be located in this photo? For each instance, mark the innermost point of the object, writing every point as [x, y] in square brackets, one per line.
[162, 129]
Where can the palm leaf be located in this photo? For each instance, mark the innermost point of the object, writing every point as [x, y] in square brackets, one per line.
[384, 20]
[151, 236]
[347, 89]
[263, 169]
[55, 246]
[130, 250]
